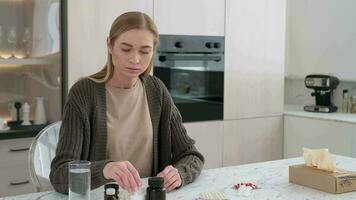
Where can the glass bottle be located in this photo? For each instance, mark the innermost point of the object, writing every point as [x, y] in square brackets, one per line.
[155, 189]
[345, 101]
[353, 104]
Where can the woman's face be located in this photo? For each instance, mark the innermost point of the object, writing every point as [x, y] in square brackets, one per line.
[131, 53]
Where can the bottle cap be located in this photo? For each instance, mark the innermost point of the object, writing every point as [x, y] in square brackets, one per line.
[156, 182]
[110, 191]
[111, 185]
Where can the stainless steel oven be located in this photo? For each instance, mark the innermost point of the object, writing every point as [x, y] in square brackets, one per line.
[192, 68]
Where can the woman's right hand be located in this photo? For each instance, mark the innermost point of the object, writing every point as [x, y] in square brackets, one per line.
[124, 173]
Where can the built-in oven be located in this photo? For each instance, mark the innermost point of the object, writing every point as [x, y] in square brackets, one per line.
[192, 68]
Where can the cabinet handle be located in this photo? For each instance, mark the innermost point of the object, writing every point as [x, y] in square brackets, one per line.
[20, 149]
[20, 183]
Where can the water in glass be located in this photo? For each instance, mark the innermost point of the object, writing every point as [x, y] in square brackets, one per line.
[79, 183]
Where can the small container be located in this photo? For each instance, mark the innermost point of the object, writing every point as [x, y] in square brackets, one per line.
[345, 101]
[155, 189]
[111, 191]
[353, 104]
[40, 112]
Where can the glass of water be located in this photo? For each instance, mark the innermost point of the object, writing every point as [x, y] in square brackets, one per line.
[79, 180]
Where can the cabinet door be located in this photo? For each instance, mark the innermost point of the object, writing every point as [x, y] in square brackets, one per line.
[252, 140]
[254, 52]
[313, 47]
[185, 17]
[208, 138]
[89, 23]
[14, 173]
[302, 132]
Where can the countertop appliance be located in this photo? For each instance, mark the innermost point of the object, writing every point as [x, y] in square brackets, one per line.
[323, 86]
[192, 68]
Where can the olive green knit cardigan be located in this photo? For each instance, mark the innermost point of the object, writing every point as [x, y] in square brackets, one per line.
[83, 134]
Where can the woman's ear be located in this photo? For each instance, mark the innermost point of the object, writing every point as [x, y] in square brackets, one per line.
[109, 45]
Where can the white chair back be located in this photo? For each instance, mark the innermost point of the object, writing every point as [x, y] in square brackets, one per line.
[42, 151]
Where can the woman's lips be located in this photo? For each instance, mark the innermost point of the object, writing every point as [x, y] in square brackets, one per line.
[133, 69]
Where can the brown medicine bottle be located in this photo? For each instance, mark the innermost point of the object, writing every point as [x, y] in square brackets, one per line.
[155, 189]
[111, 191]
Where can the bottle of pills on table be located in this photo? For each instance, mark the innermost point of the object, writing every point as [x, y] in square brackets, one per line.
[155, 189]
[111, 191]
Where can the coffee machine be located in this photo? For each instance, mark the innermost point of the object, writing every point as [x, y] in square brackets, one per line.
[323, 86]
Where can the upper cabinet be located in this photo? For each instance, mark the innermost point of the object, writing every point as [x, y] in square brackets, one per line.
[321, 38]
[30, 62]
[185, 17]
[254, 58]
[89, 23]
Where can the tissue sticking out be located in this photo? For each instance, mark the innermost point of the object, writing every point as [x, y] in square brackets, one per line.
[319, 158]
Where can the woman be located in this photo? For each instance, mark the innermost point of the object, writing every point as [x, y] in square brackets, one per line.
[123, 120]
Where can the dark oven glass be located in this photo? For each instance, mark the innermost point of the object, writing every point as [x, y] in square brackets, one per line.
[193, 74]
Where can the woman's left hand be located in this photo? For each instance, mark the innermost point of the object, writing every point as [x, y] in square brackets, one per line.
[171, 178]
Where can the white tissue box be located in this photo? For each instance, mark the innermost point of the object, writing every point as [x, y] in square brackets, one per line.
[332, 182]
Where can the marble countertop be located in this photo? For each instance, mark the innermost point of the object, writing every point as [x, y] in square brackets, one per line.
[271, 177]
[297, 110]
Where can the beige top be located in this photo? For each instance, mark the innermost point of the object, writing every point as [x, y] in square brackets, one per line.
[130, 133]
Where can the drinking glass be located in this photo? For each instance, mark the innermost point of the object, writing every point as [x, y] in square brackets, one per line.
[79, 180]
[12, 39]
[26, 37]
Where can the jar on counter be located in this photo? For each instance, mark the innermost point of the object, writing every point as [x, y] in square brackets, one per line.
[111, 191]
[353, 104]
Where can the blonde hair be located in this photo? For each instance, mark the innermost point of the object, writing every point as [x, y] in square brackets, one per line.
[123, 23]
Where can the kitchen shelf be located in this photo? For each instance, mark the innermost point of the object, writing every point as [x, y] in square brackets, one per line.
[27, 61]
[22, 132]
[297, 110]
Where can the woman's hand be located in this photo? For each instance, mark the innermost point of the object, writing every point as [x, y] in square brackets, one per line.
[124, 173]
[171, 178]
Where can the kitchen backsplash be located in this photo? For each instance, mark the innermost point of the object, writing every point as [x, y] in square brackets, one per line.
[297, 94]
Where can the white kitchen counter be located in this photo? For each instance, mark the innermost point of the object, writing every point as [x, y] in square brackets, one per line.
[271, 176]
[297, 110]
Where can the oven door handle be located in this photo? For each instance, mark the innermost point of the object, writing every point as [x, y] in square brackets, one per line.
[191, 57]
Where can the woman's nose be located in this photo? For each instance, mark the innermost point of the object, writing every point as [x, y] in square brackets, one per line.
[135, 58]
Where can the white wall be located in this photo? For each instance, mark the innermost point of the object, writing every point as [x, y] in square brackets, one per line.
[321, 38]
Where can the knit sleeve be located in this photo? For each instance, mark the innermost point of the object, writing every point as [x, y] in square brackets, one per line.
[186, 157]
[73, 134]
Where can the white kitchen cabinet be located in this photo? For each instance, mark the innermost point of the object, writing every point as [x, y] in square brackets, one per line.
[14, 172]
[252, 140]
[89, 23]
[208, 138]
[185, 17]
[321, 38]
[254, 58]
[301, 132]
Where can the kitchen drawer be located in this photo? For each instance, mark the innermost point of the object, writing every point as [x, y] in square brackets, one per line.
[15, 180]
[14, 174]
[14, 151]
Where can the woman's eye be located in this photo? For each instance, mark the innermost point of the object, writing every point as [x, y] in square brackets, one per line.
[125, 50]
[145, 52]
